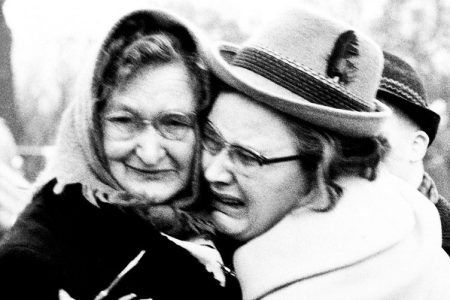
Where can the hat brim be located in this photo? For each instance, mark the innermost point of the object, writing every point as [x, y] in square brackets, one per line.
[427, 119]
[350, 123]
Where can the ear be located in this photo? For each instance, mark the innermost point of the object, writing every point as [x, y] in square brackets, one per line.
[419, 146]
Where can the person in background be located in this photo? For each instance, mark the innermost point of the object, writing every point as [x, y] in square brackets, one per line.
[15, 190]
[410, 132]
[119, 213]
[292, 154]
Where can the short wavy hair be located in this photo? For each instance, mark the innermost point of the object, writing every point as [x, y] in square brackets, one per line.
[326, 156]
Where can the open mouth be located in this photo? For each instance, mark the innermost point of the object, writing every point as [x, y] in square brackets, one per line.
[229, 201]
[223, 199]
[228, 205]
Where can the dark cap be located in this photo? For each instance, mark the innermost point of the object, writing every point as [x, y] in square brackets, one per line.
[402, 87]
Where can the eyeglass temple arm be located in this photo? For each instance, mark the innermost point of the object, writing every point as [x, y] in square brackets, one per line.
[267, 161]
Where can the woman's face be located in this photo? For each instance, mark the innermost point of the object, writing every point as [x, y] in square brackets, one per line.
[148, 134]
[246, 205]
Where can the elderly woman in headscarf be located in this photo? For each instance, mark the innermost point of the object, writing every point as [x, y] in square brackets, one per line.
[292, 154]
[118, 212]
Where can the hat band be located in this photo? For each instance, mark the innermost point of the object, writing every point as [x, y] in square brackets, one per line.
[299, 80]
[398, 88]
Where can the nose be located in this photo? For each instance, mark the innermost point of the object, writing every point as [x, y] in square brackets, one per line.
[217, 168]
[149, 147]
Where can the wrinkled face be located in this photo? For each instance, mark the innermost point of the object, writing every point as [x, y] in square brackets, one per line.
[148, 138]
[248, 205]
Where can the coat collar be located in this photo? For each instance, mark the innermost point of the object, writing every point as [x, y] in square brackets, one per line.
[369, 219]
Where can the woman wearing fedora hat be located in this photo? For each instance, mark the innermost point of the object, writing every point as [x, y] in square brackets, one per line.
[292, 152]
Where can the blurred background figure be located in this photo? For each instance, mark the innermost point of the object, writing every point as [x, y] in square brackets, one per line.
[410, 131]
[14, 188]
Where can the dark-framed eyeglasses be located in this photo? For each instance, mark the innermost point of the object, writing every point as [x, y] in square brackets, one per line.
[170, 125]
[244, 159]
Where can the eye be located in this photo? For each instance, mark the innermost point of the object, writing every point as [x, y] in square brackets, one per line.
[212, 145]
[120, 118]
[175, 121]
[211, 140]
[174, 125]
[244, 157]
[121, 124]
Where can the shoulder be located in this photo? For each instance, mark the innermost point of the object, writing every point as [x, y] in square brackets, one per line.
[374, 221]
[45, 218]
[387, 191]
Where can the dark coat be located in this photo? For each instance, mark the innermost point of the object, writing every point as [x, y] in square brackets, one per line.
[443, 207]
[65, 242]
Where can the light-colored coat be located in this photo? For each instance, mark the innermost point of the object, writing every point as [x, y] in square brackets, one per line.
[381, 241]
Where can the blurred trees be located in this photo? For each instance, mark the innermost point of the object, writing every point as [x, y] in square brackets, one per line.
[420, 34]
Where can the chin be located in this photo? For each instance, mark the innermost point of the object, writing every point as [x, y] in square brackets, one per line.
[158, 197]
[166, 195]
[152, 193]
[228, 226]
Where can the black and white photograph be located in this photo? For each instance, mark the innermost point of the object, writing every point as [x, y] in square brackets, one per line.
[224, 150]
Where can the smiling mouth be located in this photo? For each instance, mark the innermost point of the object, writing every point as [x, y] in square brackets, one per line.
[152, 172]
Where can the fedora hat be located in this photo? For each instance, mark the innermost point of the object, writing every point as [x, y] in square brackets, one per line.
[402, 87]
[311, 67]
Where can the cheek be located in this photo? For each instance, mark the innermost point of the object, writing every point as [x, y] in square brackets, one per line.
[206, 160]
[276, 197]
[115, 150]
[269, 208]
[183, 153]
[260, 196]
[395, 134]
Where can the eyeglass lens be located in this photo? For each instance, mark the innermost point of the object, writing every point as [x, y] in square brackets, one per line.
[170, 125]
[243, 159]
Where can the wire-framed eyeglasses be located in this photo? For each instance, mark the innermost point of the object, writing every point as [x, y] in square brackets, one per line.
[170, 125]
[244, 159]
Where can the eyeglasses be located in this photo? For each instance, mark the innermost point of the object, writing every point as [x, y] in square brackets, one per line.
[170, 125]
[245, 160]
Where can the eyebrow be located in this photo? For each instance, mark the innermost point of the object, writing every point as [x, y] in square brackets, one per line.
[244, 146]
[133, 109]
[122, 105]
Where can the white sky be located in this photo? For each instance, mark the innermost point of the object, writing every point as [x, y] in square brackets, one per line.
[44, 31]
[60, 17]
[50, 36]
